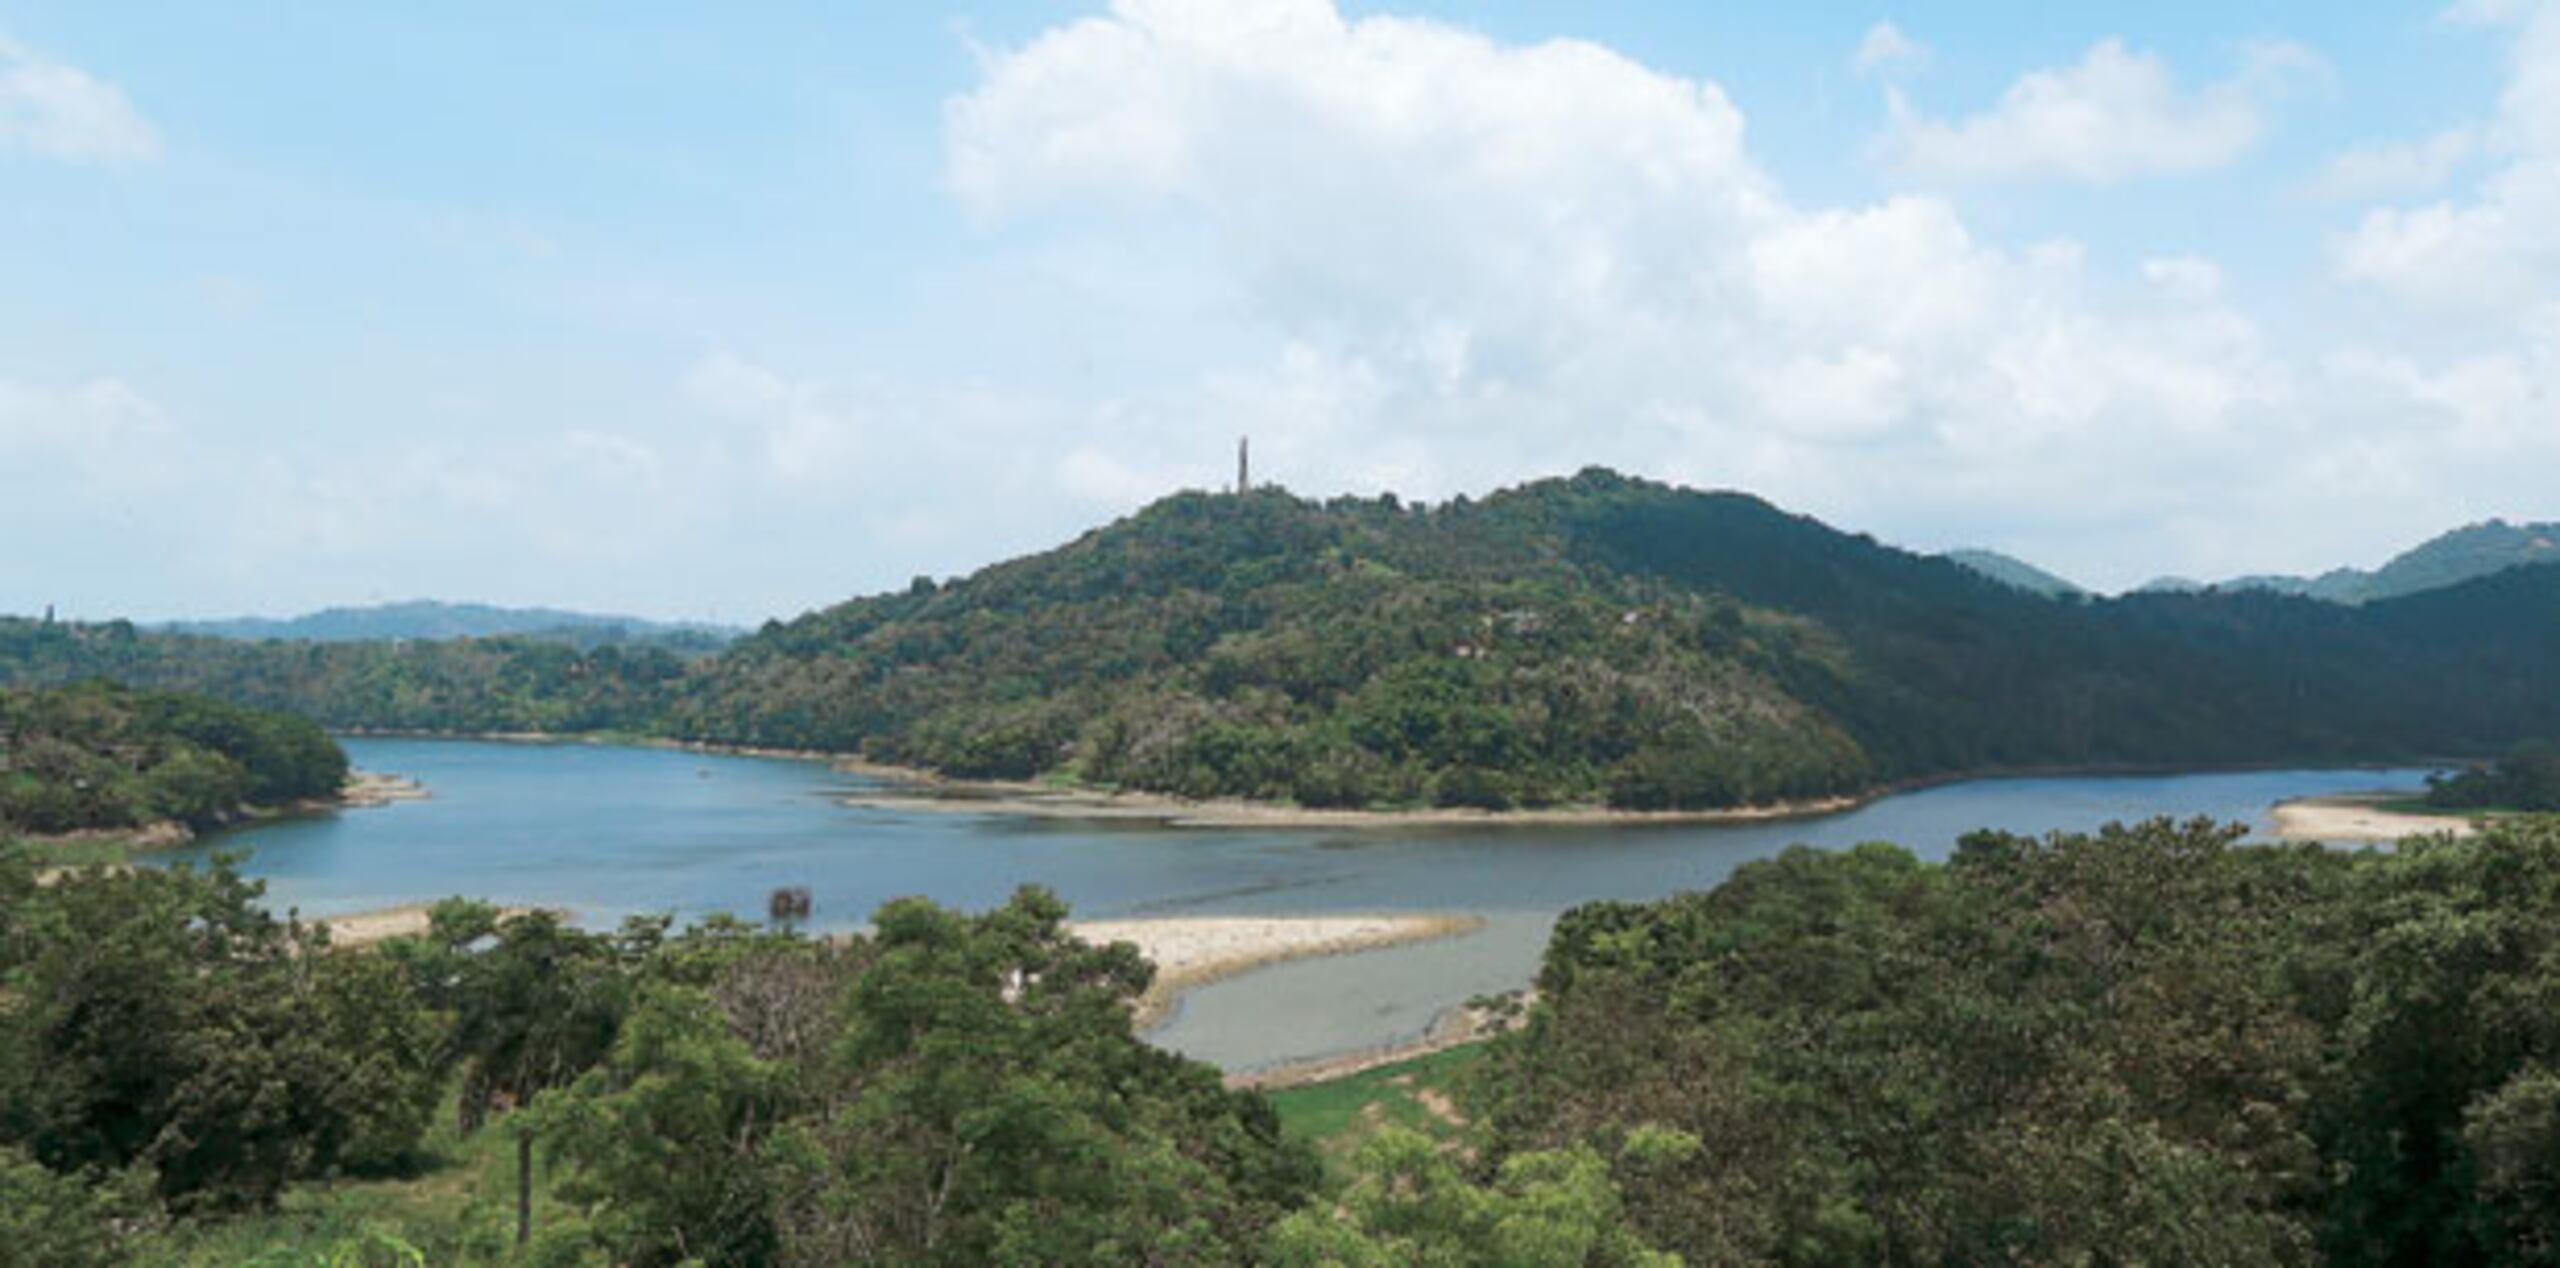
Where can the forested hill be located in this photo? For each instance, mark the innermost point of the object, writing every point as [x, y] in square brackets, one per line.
[1587, 639]
[1652, 644]
[1335, 653]
[2474, 551]
[2018, 574]
[98, 756]
[2141, 1046]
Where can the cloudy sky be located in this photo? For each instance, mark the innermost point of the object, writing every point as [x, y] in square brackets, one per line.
[729, 311]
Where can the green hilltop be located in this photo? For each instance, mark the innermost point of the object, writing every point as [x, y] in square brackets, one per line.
[2018, 573]
[2465, 554]
[1592, 639]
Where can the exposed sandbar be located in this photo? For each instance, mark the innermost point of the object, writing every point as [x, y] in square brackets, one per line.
[365, 789]
[2360, 817]
[1191, 951]
[363, 928]
[911, 790]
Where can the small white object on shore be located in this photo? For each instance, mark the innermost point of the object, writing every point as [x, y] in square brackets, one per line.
[366, 789]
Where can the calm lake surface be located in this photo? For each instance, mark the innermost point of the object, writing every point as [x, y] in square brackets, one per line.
[606, 831]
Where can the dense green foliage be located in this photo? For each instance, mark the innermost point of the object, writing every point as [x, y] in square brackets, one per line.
[1596, 639]
[2526, 779]
[99, 756]
[465, 685]
[954, 1089]
[2145, 1045]
[1413, 1206]
[160, 1024]
[1599, 635]
[951, 1089]
[1334, 654]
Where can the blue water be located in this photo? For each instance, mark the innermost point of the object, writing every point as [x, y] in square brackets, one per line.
[606, 831]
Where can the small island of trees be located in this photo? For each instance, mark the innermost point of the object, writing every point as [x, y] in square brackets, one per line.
[2527, 779]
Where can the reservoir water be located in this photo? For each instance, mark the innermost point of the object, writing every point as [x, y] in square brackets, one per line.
[609, 831]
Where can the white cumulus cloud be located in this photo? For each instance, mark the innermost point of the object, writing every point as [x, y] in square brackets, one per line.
[60, 111]
[2496, 251]
[2117, 115]
[1472, 261]
[2386, 169]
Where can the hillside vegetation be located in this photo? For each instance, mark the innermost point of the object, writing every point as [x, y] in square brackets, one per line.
[2018, 574]
[1593, 639]
[461, 685]
[186, 1080]
[2527, 779]
[96, 756]
[1601, 637]
[2145, 1045]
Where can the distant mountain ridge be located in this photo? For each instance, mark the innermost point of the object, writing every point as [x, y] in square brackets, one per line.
[427, 619]
[2451, 559]
[2012, 571]
[2465, 554]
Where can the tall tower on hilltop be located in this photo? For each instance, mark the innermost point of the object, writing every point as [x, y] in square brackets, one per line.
[1244, 480]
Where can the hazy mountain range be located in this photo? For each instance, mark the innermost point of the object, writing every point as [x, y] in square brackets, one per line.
[2455, 557]
[430, 619]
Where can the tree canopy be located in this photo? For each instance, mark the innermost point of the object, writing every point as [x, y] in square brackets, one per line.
[2143, 1045]
[2526, 779]
[97, 756]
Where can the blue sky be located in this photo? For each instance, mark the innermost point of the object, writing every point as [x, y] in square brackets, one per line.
[731, 311]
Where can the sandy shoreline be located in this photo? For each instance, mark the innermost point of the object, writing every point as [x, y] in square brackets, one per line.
[2359, 817]
[923, 791]
[364, 928]
[1465, 1024]
[363, 790]
[367, 789]
[1191, 951]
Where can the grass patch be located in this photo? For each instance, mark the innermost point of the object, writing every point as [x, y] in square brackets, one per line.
[1340, 1115]
[457, 1210]
[2420, 806]
[73, 851]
